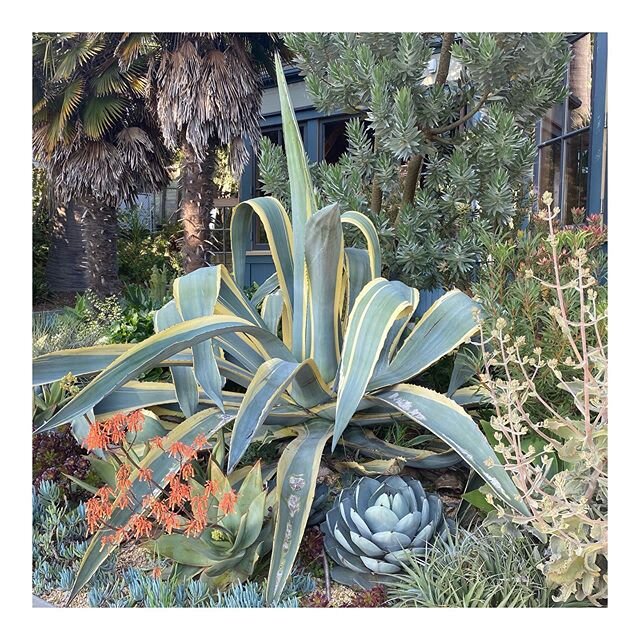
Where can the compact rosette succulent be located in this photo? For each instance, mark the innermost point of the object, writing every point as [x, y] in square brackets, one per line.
[376, 524]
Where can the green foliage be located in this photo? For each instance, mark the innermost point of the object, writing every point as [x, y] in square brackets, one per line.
[141, 254]
[473, 570]
[376, 525]
[53, 331]
[476, 171]
[41, 238]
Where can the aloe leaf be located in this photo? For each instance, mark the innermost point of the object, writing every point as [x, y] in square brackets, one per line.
[446, 419]
[179, 548]
[206, 422]
[324, 255]
[297, 472]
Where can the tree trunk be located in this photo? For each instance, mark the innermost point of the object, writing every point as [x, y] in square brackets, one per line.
[198, 193]
[66, 268]
[100, 231]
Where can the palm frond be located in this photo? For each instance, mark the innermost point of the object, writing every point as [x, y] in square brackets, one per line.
[100, 114]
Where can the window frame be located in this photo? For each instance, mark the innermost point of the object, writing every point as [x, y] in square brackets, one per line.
[596, 181]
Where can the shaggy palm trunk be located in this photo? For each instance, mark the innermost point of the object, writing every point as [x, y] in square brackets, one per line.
[66, 268]
[100, 232]
[198, 193]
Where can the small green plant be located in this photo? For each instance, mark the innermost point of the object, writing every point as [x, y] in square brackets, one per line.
[235, 534]
[474, 569]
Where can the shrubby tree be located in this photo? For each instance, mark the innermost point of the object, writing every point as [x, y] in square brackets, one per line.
[441, 147]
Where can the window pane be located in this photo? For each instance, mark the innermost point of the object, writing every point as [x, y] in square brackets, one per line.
[335, 140]
[552, 122]
[550, 170]
[580, 83]
[576, 175]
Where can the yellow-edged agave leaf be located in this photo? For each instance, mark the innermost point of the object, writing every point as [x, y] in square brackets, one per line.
[271, 311]
[270, 382]
[295, 489]
[186, 386]
[270, 285]
[195, 296]
[56, 365]
[447, 420]
[365, 441]
[232, 301]
[324, 255]
[138, 395]
[303, 206]
[162, 465]
[448, 323]
[154, 350]
[276, 224]
[376, 310]
[368, 230]
[358, 273]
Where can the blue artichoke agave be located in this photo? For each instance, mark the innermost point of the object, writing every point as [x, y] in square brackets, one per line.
[376, 524]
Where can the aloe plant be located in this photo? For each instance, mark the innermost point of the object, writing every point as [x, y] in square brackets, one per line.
[323, 349]
[232, 543]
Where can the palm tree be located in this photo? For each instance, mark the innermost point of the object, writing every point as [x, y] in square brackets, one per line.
[99, 146]
[206, 92]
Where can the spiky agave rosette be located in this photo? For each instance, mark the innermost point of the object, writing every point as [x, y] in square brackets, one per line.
[376, 524]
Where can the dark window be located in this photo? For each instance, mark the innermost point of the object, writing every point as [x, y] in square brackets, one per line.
[564, 135]
[334, 137]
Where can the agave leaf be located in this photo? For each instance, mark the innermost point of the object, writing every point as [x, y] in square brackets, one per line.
[443, 417]
[271, 311]
[186, 386]
[270, 285]
[295, 489]
[448, 323]
[358, 273]
[54, 366]
[366, 442]
[153, 350]
[271, 380]
[376, 310]
[303, 206]
[195, 296]
[368, 230]
[206, 422]
[232, 301]
[324, 256]
[279, 237]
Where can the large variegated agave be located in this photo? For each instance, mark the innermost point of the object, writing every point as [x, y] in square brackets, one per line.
[326, 356]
